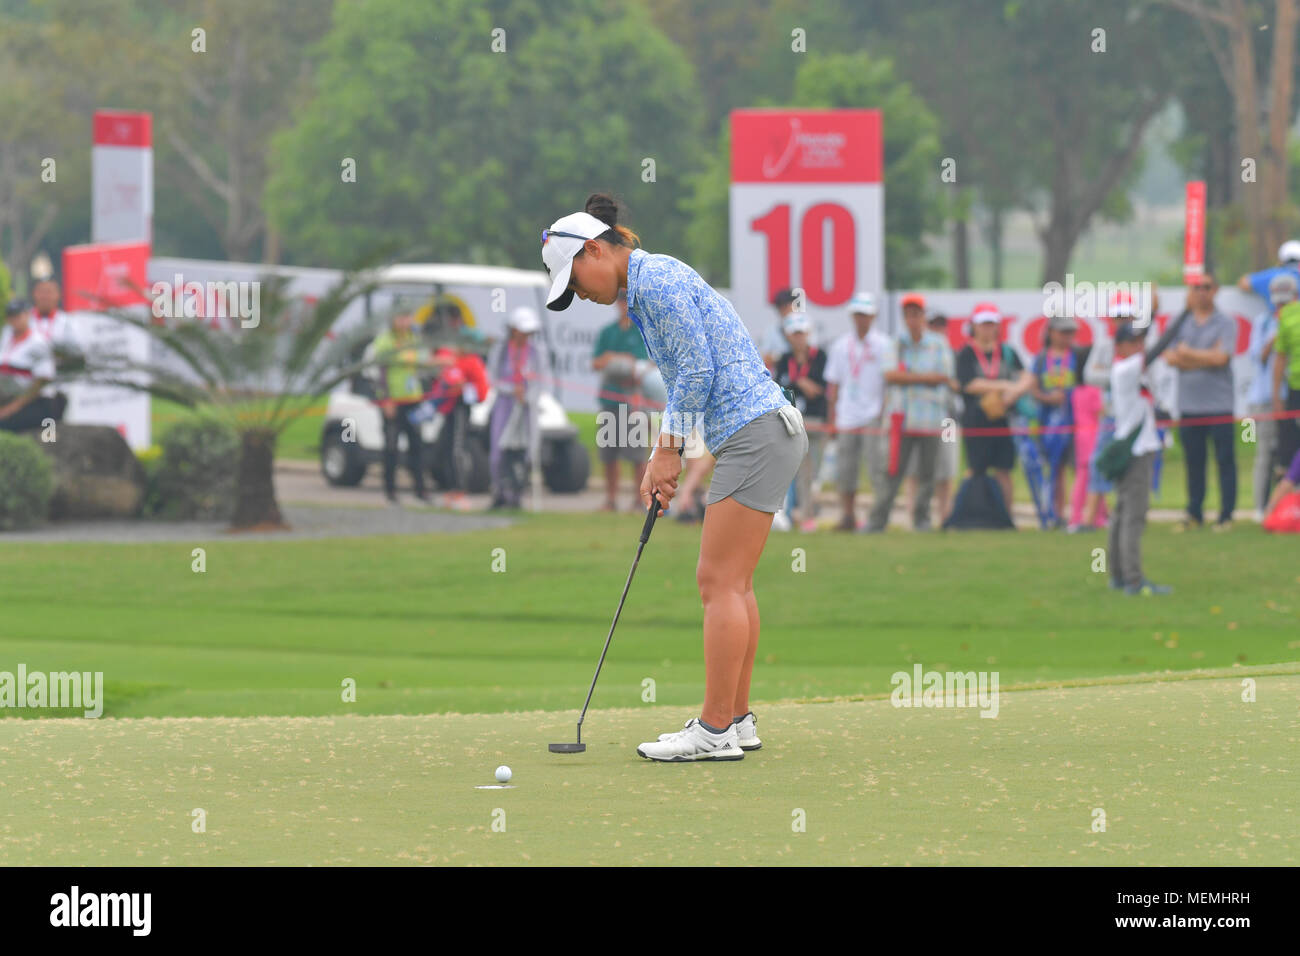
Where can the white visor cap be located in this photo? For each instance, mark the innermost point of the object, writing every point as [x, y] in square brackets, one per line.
[560, 244]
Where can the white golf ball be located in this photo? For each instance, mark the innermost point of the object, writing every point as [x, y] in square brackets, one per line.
[503, 774]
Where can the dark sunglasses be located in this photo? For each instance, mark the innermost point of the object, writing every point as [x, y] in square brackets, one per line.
[1204, 286]
[547, 233]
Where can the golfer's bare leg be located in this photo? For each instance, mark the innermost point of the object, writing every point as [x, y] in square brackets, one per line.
[696, 470]
[741, 707]
[730, 545]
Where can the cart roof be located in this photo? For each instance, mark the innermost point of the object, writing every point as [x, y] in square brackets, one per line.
[437, 273]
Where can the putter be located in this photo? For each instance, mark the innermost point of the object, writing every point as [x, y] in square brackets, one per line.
[652, 514]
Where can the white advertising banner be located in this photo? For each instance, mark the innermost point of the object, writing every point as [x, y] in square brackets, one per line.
[122, 177]
[121, 407]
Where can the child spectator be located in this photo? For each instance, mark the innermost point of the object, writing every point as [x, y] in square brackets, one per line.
[1134, 412]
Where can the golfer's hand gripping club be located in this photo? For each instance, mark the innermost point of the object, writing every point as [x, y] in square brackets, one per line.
[653, 513]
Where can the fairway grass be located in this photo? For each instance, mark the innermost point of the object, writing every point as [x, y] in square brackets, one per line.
[423, 624]
[1184, 771]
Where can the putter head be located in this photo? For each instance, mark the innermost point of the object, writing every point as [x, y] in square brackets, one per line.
[567, 748]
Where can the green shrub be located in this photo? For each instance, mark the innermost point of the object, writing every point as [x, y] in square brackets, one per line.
[196, 476]
[6, 290]
[26, 482]
[151, 461]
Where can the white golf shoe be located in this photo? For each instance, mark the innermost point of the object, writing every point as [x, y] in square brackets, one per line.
[693, 742]
[746, 732]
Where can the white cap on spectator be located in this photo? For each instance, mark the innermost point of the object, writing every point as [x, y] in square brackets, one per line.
[862, 303]
[1289, 251]
[796, 322]
[525, 319]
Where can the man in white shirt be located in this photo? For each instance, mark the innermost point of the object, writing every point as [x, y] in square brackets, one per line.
[855, 395]
[56, 327]
[26, 366]
[48, 319]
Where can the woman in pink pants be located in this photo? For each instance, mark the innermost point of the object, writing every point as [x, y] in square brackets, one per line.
[1087, 405]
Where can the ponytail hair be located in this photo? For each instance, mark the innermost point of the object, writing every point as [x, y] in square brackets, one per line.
[605, 208]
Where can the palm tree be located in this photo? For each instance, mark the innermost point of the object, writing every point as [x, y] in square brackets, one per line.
[259, 375]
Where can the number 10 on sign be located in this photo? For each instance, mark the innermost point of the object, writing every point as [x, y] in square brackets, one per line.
[807, 237]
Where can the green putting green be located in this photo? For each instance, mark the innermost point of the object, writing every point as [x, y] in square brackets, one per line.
[1180, 771]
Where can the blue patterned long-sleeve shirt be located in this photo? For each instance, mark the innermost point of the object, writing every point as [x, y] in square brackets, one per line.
[714, 375]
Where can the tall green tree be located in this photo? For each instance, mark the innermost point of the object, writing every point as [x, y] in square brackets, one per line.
[219, 78]
[471, 127]
[1093, 75]
[913, 200]
[1252, 45]
[989, 147]
[44, 143]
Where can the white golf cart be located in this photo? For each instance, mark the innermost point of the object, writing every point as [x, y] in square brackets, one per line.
[352, 437]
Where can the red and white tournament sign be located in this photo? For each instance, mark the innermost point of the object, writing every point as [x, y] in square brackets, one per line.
[122, 177]
[807, 212]
[97, 278]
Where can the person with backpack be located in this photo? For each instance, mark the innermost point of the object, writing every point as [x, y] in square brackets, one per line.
[993, 380]
[1135, 430]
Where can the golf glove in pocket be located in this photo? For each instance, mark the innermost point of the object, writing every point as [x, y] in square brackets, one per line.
[791, 418]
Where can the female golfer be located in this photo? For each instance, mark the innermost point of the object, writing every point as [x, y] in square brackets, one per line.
[716, 381]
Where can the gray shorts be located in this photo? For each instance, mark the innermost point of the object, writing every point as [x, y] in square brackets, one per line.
[756, 464]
